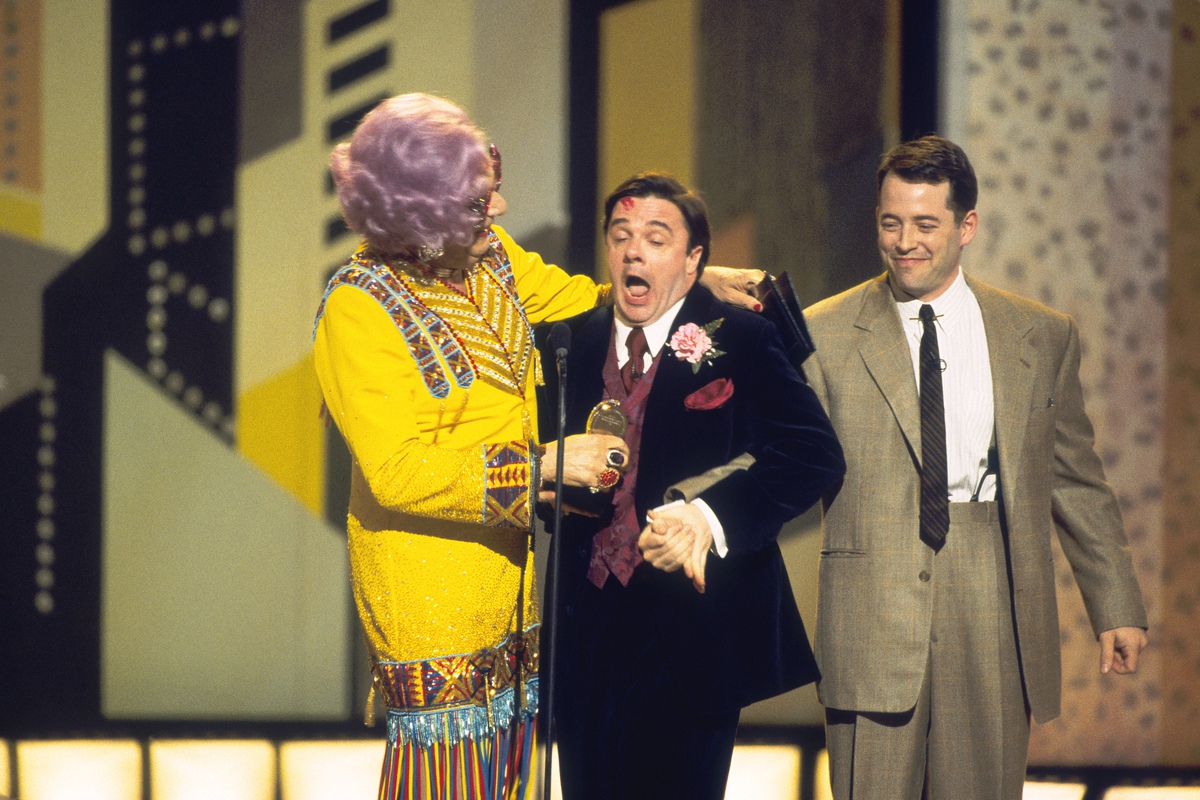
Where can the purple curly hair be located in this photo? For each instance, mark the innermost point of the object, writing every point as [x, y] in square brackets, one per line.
[407, 174]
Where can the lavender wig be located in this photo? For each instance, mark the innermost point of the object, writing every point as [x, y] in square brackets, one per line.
[407, 174]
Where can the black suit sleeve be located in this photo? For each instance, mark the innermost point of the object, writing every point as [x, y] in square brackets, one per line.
[797, 454]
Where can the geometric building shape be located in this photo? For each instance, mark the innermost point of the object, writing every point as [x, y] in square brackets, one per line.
[203, 770]
[280, 431]
[26, 267]
[271, 77]
[222, 596]
[75, 124]
[327, 770]
[647, 106]
[68, 770]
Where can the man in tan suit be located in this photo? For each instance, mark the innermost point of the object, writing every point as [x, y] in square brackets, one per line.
[961, 415]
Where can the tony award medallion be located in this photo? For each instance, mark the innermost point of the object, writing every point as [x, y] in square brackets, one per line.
[607, 417]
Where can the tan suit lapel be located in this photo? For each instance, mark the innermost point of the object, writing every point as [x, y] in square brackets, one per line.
[884, 350]
[1013, 361]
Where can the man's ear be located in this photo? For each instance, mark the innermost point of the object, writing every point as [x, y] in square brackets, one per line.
[968, 227]
[693, 260]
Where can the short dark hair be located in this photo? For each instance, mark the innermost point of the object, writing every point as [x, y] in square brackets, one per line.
[662, 185]
[932, 159]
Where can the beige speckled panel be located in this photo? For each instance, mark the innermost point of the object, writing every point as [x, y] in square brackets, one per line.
[1180, 652]
[1067, 125]
[20, 95]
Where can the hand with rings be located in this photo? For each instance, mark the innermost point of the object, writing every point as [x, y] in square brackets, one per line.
[593, 460]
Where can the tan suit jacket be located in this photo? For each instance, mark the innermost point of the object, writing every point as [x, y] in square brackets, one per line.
[873, 613]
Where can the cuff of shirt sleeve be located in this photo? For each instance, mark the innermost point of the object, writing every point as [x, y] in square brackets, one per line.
[719, 546]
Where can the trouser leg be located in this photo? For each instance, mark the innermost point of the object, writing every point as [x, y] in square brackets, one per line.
[878, 756]
[979, 723]
[623, 732]
[968, 734]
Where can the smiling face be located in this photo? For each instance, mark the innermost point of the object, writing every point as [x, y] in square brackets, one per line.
[648, 258]
[919, 240]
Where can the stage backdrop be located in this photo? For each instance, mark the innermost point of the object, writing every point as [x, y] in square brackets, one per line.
[1081, 119]
[171, 512]
[171, 522]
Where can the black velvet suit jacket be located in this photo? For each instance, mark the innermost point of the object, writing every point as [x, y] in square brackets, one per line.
[743, 639]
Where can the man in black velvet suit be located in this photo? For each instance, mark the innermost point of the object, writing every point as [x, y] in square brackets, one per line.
[673, 617]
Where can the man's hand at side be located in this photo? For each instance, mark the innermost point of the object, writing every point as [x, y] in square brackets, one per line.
[1119, 650]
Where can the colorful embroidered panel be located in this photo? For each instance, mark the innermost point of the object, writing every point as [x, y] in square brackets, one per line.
[424, 332]
[450, 698]
[497, 262]
[449, 681]
[490, 323]
[484, 332]
[506, 485]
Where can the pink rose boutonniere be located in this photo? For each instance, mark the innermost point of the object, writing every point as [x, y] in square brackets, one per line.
[694, 344]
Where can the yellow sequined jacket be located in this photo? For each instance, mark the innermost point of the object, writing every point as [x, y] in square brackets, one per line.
[433, 391]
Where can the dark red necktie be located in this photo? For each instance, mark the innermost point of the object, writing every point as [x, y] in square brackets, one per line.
[637, 355]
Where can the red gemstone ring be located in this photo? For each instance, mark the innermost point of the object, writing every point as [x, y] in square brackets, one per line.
[608, 478]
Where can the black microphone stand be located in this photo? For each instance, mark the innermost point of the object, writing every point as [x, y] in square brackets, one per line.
[551, 621]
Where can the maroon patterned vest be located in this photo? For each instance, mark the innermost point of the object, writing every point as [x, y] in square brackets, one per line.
[614, 549]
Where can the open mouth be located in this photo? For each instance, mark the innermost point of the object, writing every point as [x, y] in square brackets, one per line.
[636, 287]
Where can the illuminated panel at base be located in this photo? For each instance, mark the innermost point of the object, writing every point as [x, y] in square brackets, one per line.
[68, 770]
[317, 770]
[202, 770]
[764, 772]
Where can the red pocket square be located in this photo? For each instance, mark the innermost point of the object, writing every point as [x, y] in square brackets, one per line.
[710, 396]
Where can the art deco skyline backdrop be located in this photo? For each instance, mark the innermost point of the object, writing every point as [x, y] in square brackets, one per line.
[171, 510]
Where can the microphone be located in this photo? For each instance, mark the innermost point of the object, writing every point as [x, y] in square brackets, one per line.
[560, 339]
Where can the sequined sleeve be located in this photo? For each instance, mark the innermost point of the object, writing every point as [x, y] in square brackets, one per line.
[547, 292]
[369, 382]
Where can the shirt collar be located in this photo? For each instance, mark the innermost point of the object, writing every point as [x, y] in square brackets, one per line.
[947, 307]
[657, 332]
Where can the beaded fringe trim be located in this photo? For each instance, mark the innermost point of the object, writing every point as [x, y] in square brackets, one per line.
[426, 728]
[494, 767]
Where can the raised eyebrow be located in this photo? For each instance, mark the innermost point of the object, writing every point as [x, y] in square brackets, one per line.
[625, 221]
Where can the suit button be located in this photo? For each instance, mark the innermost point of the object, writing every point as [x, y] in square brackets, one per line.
[924, 576]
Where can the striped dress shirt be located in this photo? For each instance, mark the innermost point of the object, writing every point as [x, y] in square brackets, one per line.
[966, 384]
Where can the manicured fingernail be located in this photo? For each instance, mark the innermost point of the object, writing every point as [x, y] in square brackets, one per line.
[758, 306]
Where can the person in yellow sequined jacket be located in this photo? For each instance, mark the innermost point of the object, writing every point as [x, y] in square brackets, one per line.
[424, 352]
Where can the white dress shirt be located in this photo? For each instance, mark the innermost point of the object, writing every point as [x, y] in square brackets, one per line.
[966, 384]
[657, 334]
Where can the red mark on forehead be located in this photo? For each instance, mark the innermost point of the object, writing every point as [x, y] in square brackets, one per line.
[626, 203]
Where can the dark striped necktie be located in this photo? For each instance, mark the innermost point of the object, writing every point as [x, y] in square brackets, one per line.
[935, 503]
